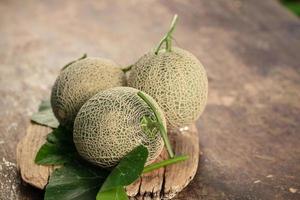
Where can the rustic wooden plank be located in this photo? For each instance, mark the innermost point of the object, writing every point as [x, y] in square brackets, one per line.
[36, 175]
[163, 183]
[249, 130]
[167, 182]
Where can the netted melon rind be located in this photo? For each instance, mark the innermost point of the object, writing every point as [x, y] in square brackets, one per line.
[80, 81]
[107, 127]
[176, 80]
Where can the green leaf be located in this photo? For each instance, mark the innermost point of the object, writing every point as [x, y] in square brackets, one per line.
[292, 5]
[50, 154]
[125, 173]
[117, 193]
[128, 170]
[61, 135]
[45, 115]
[45, 104]
[46, 118]
[70, 63]
[76, 181]
[51, 138]
[58, 149]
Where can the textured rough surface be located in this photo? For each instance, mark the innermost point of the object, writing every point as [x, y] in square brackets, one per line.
[36, 175]
[79, 82]
[249, 131]
[108, 126]
[176, 80]
[166, 182]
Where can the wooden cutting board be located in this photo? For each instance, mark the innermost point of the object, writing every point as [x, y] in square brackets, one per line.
[163, 183]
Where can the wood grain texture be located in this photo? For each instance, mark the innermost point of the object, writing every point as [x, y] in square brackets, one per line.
[27, 148]
[164, 183]
[249, 132]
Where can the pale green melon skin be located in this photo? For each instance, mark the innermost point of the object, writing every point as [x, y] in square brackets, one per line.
[176, 80]
[79, 82]
[107, 127]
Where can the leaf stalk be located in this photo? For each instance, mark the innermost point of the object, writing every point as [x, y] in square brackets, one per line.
[164, 163]
[162, 128]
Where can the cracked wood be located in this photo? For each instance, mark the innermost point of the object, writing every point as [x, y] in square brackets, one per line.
[163, 183]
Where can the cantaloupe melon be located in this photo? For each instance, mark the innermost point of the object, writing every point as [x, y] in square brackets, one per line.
[175, 78]
[80, 81]
[110, 125]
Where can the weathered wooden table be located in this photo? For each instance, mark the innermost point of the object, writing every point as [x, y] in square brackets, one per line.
[249, 133]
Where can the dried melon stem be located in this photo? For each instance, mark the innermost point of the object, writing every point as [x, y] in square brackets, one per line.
[168, 37]
[160, 126]
[67, 65]
[126, 69]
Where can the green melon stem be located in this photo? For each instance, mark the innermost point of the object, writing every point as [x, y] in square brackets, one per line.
[162, 128]
[168, 37]
[164, 163]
